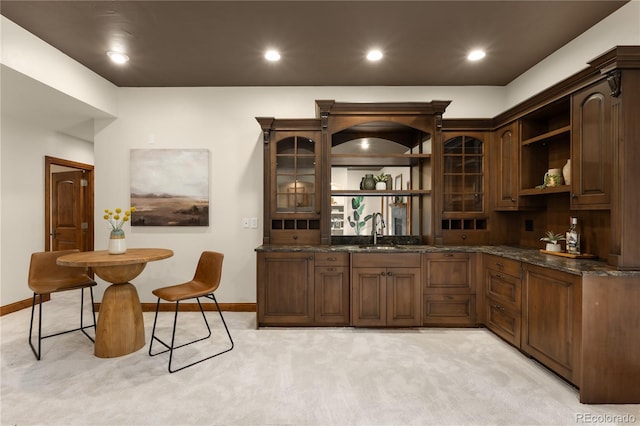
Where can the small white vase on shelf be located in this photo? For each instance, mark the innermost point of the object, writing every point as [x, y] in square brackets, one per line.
[117, 242]
[381, 185]
[566, 172]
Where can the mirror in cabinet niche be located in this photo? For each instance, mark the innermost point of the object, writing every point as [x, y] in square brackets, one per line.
[393, 143]
[398, 158]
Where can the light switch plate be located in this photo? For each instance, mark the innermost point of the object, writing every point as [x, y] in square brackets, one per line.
[254, 222]
[245, 222]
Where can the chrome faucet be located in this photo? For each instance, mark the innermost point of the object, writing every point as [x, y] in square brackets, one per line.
[374, 227]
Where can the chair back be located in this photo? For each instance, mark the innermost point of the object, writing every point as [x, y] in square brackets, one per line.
[209, 269]
[46, 275]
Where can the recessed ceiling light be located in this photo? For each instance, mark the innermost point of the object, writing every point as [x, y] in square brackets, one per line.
[272, 55]
[365, 143]
[374, 55]
[118, 57]
[476, 55]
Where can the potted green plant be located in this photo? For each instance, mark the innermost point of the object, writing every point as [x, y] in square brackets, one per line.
[381, 181]
[553, 241]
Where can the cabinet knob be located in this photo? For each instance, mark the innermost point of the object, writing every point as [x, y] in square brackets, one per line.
[513, 200]
[464, 237]
[383, 273]
[331, 269]
[295, 237]
[499, 264]
[448, 255]
[331, 259]
[389, 274]
[574, 195]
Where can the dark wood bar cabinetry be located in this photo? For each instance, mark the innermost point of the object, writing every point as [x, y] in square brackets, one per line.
[453, 238]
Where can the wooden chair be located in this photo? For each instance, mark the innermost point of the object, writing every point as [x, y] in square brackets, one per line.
[45, 277]
[205, 281]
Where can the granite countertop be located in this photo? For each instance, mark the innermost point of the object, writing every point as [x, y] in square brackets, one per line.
[526, 255]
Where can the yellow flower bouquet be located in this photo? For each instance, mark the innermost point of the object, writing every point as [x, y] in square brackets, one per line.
[116, 218]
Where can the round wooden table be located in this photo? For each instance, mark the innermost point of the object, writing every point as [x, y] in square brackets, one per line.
[120, 328]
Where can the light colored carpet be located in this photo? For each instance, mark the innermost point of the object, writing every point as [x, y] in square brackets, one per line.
[335, 376]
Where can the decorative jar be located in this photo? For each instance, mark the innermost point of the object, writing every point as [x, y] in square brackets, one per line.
[368, 182]
[117, 242]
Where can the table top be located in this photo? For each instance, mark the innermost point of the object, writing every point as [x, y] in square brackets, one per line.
[103, 258]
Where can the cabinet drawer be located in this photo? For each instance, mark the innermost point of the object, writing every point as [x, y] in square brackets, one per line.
[504, 265]
[504, 288]
[295, 237]
[445, 309]
[385, 260]
[448, 273]
[332, 259]
[503, 321]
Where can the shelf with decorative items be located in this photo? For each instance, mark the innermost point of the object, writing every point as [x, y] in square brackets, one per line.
[380, 156]
[546, 150]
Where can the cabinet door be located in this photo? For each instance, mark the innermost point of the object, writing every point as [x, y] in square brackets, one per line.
[285, 288]
[507, 170]
[552, 313]
[295, 188]
[461, 212]
[332, 295]
[369, 297]
[591, 148]
[403, 297]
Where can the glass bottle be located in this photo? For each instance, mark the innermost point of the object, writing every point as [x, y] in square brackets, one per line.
[573, 237]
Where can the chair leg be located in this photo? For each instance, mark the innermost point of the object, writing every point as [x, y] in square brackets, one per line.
[33, 308]
[213, 297]
[38, 352]
[93, 312]
[172, 347]
[153, 332]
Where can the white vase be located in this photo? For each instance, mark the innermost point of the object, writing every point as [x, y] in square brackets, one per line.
[381, 185]
[566, 172]
[117, 242]
[554, 247]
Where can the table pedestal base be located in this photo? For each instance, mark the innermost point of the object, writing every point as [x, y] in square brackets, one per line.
[120, 328]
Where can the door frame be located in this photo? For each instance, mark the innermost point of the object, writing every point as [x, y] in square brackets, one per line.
[88, 201]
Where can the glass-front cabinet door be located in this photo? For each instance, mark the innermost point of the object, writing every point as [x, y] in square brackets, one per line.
[295, 188]
[464, 219]
[295, 175]
[463, 175]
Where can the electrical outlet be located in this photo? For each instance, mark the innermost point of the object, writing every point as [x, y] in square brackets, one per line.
[254, 222]
[245, 222]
